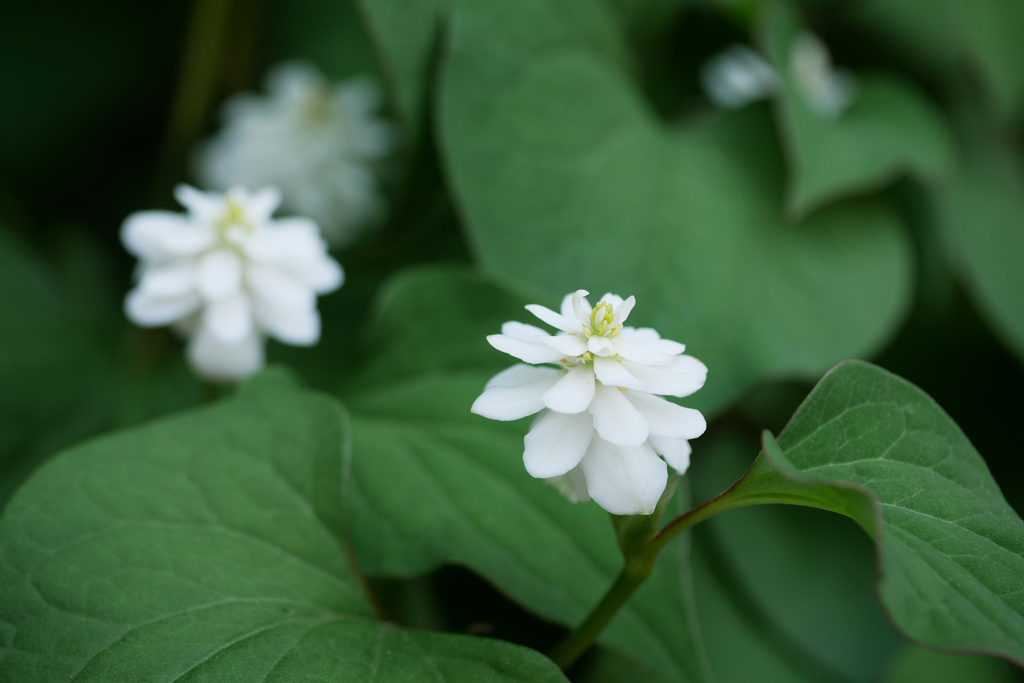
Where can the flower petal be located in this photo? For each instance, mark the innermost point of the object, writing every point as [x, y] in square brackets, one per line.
[611, 373]
[556, 443]
[271, 286]
[567, 344]
[573, 392]
[515, 393]
[523, 331]
[168, 280]
[600, 346]
[146, 310]
[667, 419]
[624, 480]
[262, 203]
[215, 360]
[204, 206]
[528, 352]
[163, 235]
[622, 311]
[219, 274]
[519, 375]
[572, 485]
[228, 320]
[683, 376]
[675, 451]
[616, 419]
[582, 315]
[288, 324]
[555, 319]
[638, 354]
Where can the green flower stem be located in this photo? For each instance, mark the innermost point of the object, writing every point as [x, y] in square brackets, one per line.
[641, 542]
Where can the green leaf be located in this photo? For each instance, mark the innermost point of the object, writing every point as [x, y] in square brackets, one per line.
[918, 665]
[981, 213]
[566, 181]
[210, 547]
[433, 483]
[889, 129]
[405, 32]
[54, 379]
[873, 447]
[326, 32]
[946, 34]
[795, 584]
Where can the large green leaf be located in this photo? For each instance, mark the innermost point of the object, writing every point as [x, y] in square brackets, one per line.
[434, 483]
[209, 547]
[981, 212]
[793, 588]
[873, 447]
[54, 379]
[567, 180]
[889, 129]
[944, 34]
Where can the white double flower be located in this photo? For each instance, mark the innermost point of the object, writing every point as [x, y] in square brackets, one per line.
[602, 424]
[227, 275]
[320, 143]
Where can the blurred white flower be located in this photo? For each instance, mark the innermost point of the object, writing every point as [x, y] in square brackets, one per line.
[827, 91]
[315, 141]
[738, 76]
[601, 425]
[226, 275]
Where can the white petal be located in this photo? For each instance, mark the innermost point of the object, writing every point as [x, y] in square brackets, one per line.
[638, 354]
[614, 299]
[566, 308]
[227, 362]
[572, 485]
[528, 352]
[291, 325]
[205, 206]
[648, 339]
[675, 451]
[622, 311]
[262, 203]
[520, 374]
[275, 288]
[163, 235]
[667, 419]
[523, 331]
[515, 393]
[616, 419]
[567, 344]
[556, 443]
[555, 319]
[219, 274]
[683, 376]
[228, 320]
[323, 275]
[611, 373]
[624, 480]
[151, 311]
[600, 346]
[573, 392]
[582, 315]
[636, 334]
[170, 280]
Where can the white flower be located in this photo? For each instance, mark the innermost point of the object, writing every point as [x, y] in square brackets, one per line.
[827, 91]
[316, 142]
[601, 425]
[225, 274]
[738, 76]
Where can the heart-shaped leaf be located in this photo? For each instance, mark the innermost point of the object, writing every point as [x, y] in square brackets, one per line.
[209, 547]
[567, 180]
[433, 483]
[875, 448]
[888, 129]
[981, 211]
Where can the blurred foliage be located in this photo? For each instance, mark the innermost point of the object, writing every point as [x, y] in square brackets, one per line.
[547, 145]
